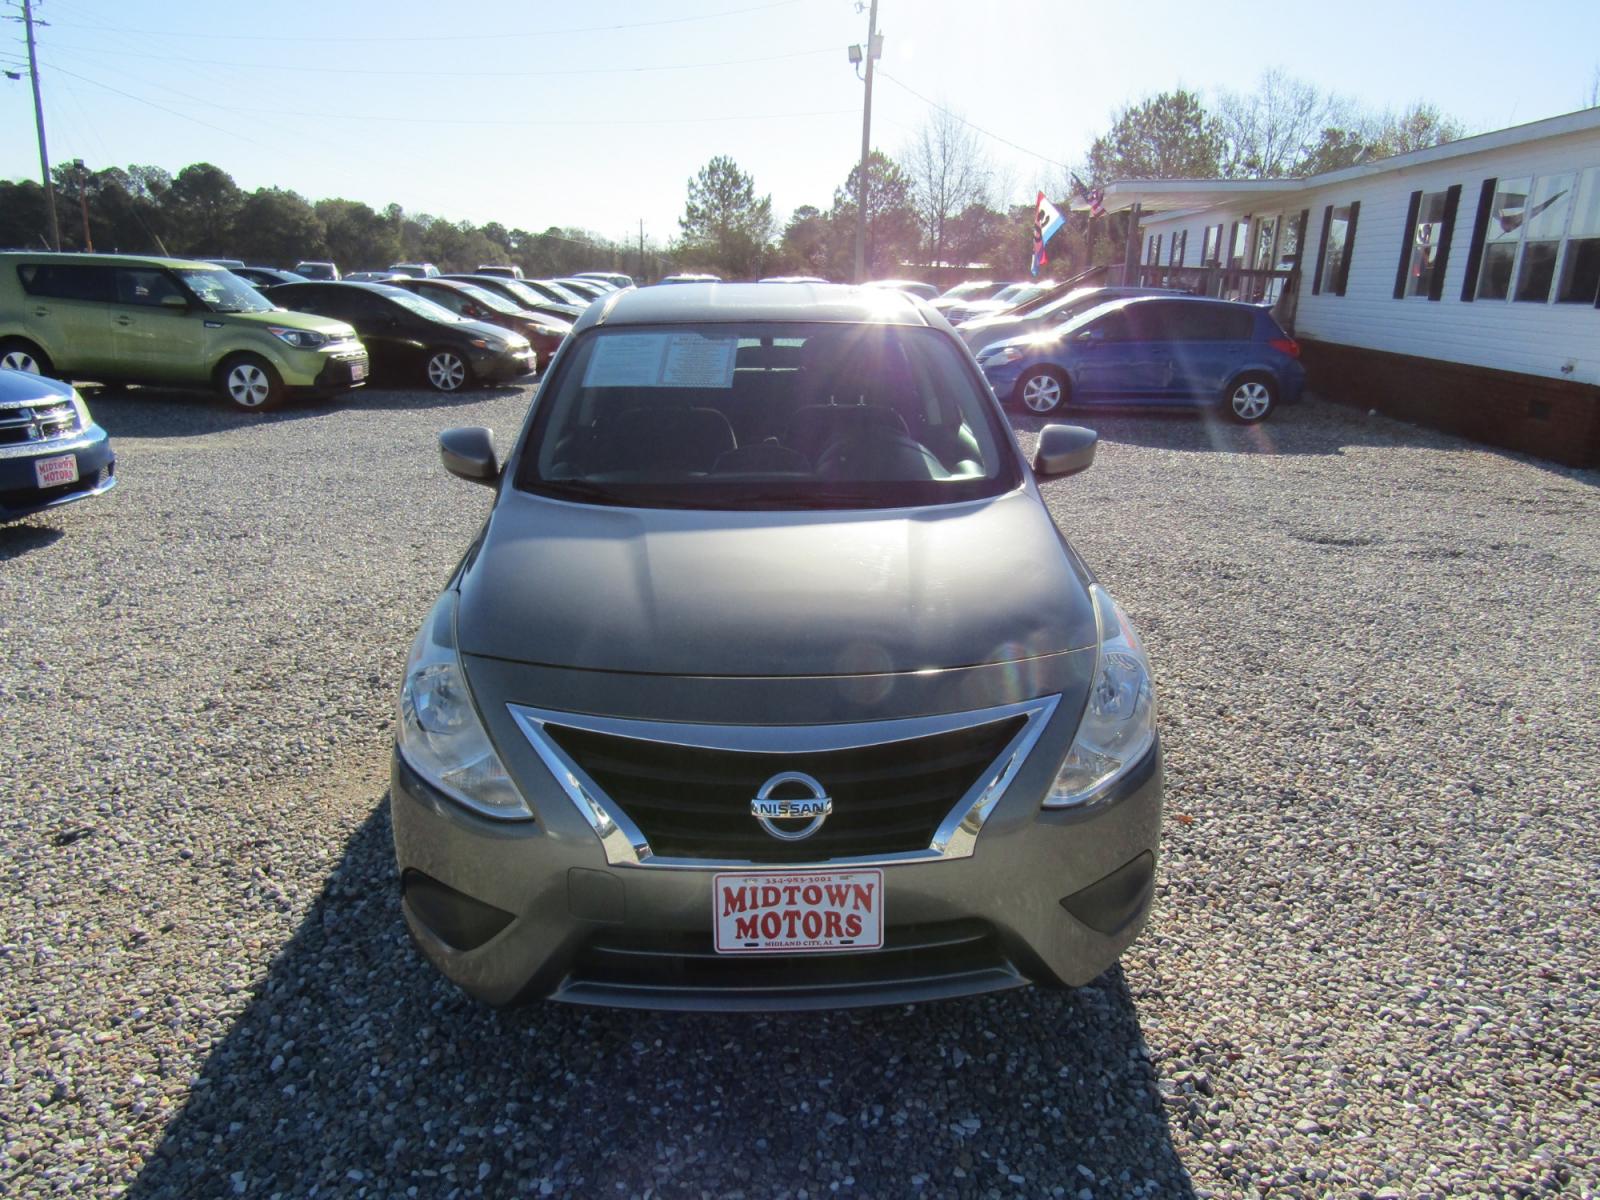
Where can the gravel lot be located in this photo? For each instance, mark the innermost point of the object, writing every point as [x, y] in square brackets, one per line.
[1372, 969]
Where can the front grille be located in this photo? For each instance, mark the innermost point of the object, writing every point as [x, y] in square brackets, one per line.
[38, 422]
[683, 970]
[694, 802]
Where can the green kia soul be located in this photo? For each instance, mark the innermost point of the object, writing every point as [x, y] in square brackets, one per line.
[115, 318]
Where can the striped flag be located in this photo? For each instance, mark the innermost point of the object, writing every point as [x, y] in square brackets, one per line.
[1046, 221]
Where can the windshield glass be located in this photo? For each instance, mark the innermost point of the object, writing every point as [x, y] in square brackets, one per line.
[523, 292]
[223, 291]
[488, 299]
[793, 416]
[423, 308]
[968, 291]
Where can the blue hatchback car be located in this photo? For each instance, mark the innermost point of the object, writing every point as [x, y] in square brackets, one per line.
[51, 451]
[1167, 350]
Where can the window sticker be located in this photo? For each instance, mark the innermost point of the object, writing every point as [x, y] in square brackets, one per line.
[703, 362]
[663, 360]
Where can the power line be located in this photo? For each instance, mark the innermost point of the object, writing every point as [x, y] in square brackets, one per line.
[464, 120]
[449, 37]
[473, 73]
[979, 128]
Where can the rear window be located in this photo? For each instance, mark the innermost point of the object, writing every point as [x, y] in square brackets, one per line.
[791, 416]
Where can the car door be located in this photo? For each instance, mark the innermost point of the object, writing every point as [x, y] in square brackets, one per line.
[1115, 358]
[1210, 340]
[158, 330]
[65, 311]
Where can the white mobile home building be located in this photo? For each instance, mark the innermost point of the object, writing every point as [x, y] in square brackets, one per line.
[1458, 286]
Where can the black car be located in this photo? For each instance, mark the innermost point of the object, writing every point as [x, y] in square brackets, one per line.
[411, 339]
[267, 276]
[51, 451]
[522, 293]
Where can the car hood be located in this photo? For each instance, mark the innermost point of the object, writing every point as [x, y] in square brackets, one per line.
[286, 318]
[668, 591]
[24, 387]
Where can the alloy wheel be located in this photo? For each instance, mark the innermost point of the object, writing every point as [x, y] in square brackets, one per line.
[446, 371]
[1251, 400]
[1042, 393]
[248, 385]
[20, 360]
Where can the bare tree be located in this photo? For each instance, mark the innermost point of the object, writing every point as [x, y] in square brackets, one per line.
[1593, 99]
[1271, 131]
[949, 172]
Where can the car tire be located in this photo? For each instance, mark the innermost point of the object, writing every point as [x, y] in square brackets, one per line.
[1251, 399]
[19, 354]
[446, 370]
[250, 383]
[1041, 391]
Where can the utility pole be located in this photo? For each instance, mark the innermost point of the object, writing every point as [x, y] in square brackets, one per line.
[866, 148]
[83, 205]
[38, 117]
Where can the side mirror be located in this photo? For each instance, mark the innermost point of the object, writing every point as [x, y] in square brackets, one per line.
[468, 453]
[177, 302]
[1064, 450]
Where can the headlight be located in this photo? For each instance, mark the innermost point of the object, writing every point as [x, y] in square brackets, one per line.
[496, 347]
[1119, 721]
[300, 339]
[439, 733]
[84, 419]
[999, 355]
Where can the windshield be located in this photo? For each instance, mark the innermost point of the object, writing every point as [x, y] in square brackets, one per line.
[523, 292]
[423, 308]
[223, 291]
[968, 291]
[794, 416]
[1019, 294]
[488, 299]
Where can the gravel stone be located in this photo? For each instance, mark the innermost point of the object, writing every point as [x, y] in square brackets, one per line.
[1371, 969]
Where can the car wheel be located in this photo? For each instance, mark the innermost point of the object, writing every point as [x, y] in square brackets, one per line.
[1041, 390]
[249, 382]
[1252, 398]
[19, 355]
[447, 371]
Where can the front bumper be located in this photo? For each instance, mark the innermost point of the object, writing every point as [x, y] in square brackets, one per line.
[489, 366]
[513, 911]
[20, 493]
[326, 373]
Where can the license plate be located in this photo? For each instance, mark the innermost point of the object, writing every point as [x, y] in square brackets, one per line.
[797, 912]
[358, 370]
[53, 472]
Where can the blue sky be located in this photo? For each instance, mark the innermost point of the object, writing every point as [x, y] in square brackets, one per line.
[595, 115]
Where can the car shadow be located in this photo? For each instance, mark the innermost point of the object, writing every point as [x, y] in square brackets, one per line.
[1315, 426]
[165, 413]
[355, 1068]
[19, 538]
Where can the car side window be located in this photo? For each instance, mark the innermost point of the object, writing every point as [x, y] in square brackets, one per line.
[1207, 323]
[453, 300]
[59, 281]
[145, 286]
[1149, 322]
[1113, 327]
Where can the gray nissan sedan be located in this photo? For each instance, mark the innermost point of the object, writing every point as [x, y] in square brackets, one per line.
[769, 681]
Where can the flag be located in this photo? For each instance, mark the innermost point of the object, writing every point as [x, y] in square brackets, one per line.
[1093, 197]
[1046, 221]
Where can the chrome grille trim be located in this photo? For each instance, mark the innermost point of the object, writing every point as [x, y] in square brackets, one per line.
[626, 846]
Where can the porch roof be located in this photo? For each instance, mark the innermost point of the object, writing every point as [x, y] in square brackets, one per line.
[1179, 195]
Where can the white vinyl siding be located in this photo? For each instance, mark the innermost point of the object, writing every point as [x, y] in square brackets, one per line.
[1528, 337]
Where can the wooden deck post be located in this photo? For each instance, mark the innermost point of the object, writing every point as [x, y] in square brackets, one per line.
[1130, 260]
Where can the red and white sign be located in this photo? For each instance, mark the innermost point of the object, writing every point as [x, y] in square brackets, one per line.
[53, 472]
[798, 912]
[358, 370]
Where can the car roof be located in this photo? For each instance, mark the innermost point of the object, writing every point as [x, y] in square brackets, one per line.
[108, 260]
[715, 303]
[349, 285]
